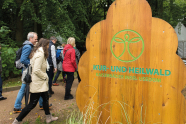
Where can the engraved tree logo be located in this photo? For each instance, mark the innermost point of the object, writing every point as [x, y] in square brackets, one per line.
[127, 41]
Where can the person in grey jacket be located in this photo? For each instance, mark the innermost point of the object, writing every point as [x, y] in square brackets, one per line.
[1, 82]
[59, 65]
[78, 55]
[52, 62]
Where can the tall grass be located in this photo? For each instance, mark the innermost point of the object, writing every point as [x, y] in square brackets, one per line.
[77, 117]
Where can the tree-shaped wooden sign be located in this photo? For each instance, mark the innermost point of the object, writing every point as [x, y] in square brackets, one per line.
[130, 73]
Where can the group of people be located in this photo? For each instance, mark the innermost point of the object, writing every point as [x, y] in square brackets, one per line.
[41, 55]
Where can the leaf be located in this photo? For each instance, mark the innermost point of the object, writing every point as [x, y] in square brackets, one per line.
[4, 65]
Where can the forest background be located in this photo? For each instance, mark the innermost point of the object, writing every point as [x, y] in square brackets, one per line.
[63, 18]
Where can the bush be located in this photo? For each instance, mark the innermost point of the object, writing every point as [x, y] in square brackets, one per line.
[8, 57]
[8, 49]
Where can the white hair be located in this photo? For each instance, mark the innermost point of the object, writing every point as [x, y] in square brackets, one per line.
[31, 35]
[71, 40]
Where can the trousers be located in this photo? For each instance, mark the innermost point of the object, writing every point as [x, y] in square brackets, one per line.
[69, 81]
[34, 98]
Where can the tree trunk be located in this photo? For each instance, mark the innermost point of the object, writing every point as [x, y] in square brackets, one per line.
[39, 31]
[19, 25]
[35, 27]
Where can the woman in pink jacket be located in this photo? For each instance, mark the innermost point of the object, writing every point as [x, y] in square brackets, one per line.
[69, 66]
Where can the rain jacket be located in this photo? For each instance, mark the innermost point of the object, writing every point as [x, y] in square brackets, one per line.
[39, 76]
[69, 62]
[26, 52]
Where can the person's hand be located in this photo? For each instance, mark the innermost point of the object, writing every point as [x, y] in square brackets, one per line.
[55, 70]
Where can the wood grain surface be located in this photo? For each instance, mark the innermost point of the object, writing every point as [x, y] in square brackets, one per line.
[131, 38]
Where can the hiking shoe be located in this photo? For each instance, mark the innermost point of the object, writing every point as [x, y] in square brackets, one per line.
[41, 107]
[17, 110]
[55, 84]
[68, 98]
[2, 98]
[51, 92]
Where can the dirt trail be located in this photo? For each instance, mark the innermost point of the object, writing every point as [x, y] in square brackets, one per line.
[60, 107]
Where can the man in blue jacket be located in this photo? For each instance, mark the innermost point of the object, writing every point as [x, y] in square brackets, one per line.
[26, 50]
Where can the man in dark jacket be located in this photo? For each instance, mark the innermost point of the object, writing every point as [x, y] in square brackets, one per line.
[1, 82]
[52, 62]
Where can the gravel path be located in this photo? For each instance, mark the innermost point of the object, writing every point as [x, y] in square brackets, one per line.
[60, 107]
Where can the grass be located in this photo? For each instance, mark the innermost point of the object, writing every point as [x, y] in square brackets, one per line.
[72, 115]
[76, 117]
[13, 82]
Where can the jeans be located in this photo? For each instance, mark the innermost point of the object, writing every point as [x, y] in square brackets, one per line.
[50, 74]
[40, 101]
[69, 81]
[20, 95]
[1, 83]
[34, 97]
[19, 98]
[57, 75]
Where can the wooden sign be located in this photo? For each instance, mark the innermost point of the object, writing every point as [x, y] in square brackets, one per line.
[130, 73]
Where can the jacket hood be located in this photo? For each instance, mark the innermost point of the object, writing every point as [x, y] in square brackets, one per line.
[68, 46]
[60, 47]
[27, 43]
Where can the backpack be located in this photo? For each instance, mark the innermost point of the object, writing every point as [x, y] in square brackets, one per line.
[17, 61]
[58, 57]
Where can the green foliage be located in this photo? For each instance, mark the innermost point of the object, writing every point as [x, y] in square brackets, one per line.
[75, 117]
[27, 122]
[68, 18]
[38, 121]
[4, 31]
[4, 36]
[15, 83]
[172, 11]
[7, 53]
[8, 57]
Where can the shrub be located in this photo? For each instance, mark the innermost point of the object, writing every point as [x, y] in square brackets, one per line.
[8, 57]
[8, 49]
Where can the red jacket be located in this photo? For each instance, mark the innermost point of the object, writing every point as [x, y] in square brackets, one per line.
[69, 62]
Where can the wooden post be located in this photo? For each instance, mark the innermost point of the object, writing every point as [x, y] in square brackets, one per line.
[130, 72]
